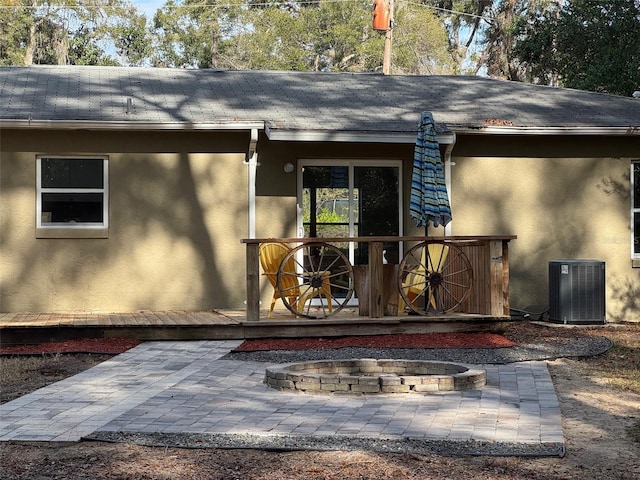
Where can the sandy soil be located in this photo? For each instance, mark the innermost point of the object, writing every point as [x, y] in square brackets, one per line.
[598, 420]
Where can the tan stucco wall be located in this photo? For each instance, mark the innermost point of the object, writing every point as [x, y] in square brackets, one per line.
[179, 205]
[560, 208]
[176, 217]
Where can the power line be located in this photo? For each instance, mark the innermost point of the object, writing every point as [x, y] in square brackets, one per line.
[239, 4]
[445, 10]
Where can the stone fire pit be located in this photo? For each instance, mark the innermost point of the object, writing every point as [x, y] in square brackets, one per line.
[371, 376]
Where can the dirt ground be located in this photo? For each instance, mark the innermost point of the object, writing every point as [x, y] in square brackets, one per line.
[599, 399]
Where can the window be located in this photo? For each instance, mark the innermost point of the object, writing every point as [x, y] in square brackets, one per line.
[72, 194]
[635, 209]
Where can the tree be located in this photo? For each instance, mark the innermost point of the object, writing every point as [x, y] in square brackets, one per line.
[499, 36]
[194, 33]
[464, 20]
[71, 32]
[131, 38]
[420, 43]
[588, 44]
[338, 36]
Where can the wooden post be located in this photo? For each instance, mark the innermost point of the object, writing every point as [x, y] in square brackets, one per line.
[505, 276]
[253, 282]
[497, 279]
[388, 39]
[376, 304]
[361, 280]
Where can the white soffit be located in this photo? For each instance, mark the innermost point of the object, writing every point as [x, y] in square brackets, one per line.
[353, 137]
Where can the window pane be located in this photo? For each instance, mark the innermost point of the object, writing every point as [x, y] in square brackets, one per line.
[636, 185]
[72, 207]
[71, 173]
[326, 193]
[378, 208]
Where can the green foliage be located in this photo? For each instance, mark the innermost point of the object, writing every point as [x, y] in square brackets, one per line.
[194, 33]
[606, 57]
[84, 51]
[463, 21]
[420, 43]
[327, 216]
[326, 36]
[71, 32]
[318, 36]
[132, 39]
[273, 39]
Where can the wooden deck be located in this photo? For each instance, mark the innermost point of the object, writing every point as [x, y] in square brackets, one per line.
[22, 328]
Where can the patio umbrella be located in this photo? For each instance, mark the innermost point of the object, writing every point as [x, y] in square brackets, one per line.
[429, 200]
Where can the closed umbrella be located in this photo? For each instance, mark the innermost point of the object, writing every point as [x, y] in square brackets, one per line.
[429, 201]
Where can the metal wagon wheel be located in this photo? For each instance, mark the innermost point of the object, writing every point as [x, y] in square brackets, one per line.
[434, 277]
[324, 276]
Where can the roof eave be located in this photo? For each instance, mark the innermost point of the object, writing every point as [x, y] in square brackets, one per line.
[298, 135]
[130, 125]
[573, 130]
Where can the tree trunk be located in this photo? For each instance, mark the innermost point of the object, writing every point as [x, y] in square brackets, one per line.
[30, 47]
[214, 45]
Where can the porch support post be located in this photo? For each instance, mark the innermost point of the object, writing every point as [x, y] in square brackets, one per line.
[253, 249]
[376, 305]
[252, 162]
[447, 176]
[253, 282]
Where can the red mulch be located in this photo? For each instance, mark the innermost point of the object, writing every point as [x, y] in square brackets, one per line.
[80, 345]
[418, 340]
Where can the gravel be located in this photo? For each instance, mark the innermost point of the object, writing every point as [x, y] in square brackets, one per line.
[287, 443]
[573, 347]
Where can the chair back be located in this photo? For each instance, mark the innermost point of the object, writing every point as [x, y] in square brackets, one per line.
[437, 256]
[433, 262]
[271, 257]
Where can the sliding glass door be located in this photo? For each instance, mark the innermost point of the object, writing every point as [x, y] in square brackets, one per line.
[351, 199]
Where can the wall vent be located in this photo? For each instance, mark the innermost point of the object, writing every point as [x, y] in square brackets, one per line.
[577, 292]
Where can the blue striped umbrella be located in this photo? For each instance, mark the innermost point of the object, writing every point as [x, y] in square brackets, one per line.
[429, 200]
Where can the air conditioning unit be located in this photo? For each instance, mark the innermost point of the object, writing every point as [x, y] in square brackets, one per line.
[577, 292]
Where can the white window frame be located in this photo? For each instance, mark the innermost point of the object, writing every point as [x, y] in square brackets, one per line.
[635, 210]
[73, 230]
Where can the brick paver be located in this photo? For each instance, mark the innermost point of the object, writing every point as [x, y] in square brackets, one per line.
[184, 387]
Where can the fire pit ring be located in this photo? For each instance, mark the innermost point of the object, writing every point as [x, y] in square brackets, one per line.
[371, 376]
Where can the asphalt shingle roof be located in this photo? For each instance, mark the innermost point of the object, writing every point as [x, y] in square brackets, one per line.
[305, 101]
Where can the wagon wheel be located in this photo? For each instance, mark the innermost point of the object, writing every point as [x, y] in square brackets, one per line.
[322, 275]
[434, 277]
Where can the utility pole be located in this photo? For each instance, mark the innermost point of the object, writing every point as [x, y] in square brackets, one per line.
[388, 37]
[383, 21]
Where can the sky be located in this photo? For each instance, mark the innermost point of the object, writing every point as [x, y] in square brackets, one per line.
[148, 6]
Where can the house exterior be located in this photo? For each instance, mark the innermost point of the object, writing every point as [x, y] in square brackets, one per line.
[125, 189]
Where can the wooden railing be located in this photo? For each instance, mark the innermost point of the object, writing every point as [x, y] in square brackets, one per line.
[488, 255]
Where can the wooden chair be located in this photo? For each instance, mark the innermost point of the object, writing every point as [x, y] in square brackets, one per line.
[271, 256]
[433, 259]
